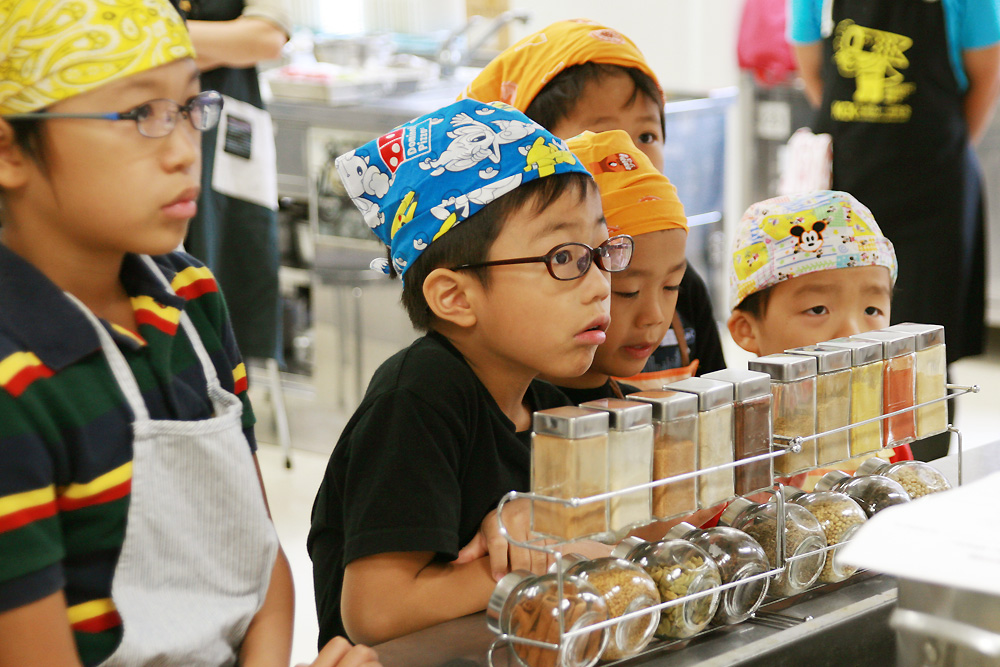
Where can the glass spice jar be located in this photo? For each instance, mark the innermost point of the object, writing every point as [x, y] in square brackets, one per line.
[527, 606]
[715, 437]
[751, 426]
[833, 401]
[569, 459]
[898, 384]
[916, 477]
[630, 460]
[931, 384]
[866, 391]
[840, 517]
[626, 588]
[675, 450]
[803, 536]
[679, 569]
[738, 556]
[873, 492]
[793, 411]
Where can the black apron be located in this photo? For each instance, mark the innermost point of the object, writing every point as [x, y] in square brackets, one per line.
[237, 239]
[900, 145]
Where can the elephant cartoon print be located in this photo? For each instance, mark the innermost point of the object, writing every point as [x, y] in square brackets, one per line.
[362, 178]
[474, 141]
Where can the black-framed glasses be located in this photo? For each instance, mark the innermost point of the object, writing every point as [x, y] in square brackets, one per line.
[153, 119]
[569, 261]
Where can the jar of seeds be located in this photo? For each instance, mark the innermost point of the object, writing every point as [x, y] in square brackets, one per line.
[626, 588]
[873, 492]
[840, 517]
[738, 557]
[803, 537]
[917, 477]
[680, 569]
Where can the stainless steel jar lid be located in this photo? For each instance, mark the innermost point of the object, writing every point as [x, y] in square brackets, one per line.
[623, 415]
[828, 359]
[928, 335]
[501, 592]
[894, 343]
[626, 547]
[668, 405]
[734, 510]
[871, 467]
[680, 531]
[570, 422]
[785, 367]
[830, 480]
[746, 384]
[862, 351]
[711, 393]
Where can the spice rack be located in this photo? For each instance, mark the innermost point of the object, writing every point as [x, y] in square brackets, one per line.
[781, 446]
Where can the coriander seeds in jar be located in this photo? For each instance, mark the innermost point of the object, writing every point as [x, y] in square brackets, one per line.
[833, 401]
[793, 409]
[630, 460]
[739, 557]
[752, 427]
[680, 569]
[840, 517]
[803, 541]
[916, 477]
[626, 588]
[675, 450]
[569, 459]
[872, 492]
[715, 437]
[526, 606]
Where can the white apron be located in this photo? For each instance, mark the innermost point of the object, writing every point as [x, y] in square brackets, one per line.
[199, 547]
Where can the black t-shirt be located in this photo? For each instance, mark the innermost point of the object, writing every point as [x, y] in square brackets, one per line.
[578, 396]
[425, 457]
[694, 305]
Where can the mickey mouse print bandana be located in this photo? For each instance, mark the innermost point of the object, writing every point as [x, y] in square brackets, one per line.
[793, 235]
[417, 182]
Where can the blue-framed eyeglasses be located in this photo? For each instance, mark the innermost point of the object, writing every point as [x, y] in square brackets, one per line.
[153, 119]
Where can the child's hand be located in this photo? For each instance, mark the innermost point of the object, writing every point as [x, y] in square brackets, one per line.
[504, 556]
[339, 653]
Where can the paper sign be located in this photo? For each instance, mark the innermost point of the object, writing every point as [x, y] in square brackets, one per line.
[245, 163]
[946, 538]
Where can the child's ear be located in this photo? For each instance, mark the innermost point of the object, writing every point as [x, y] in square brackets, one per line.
[448, 295]
[743, 328]
[13, 161]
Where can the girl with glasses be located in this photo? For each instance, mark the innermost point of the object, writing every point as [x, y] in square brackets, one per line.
[133, 524]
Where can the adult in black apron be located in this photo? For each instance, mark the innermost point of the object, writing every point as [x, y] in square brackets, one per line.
[237, 239]
[900, 145]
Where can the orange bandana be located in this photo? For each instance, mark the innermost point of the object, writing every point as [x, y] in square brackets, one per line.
[518, 74]
[637, 199]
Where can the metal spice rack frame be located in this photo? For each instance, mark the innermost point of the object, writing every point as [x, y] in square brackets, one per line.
[780, 444]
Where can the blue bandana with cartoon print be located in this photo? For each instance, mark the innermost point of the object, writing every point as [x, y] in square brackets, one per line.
[426, 176]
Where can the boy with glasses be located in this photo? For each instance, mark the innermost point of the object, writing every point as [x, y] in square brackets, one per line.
[498, 234]
[133, 525]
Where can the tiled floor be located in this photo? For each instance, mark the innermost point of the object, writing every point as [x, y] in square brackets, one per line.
[291, 492]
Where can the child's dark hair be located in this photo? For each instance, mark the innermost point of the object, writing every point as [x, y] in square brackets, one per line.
[755, 304]
[560, 95]
[470, 241]
[28, 138]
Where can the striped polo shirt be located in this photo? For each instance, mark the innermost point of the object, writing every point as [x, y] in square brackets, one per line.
[65, 427]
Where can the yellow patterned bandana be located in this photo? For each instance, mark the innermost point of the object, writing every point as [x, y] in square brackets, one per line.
[51, 50]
